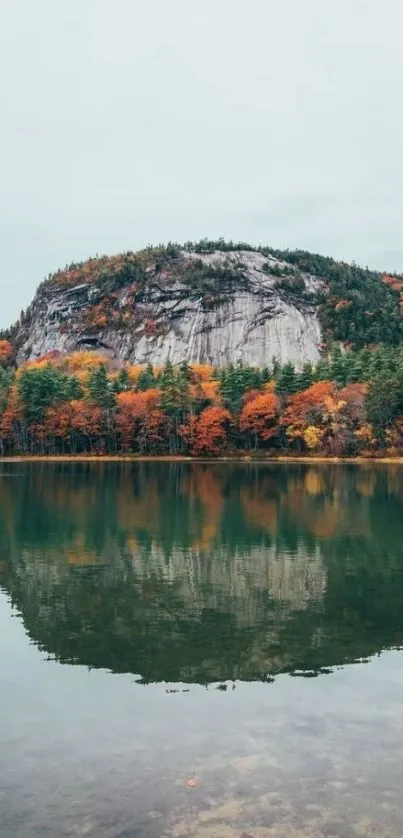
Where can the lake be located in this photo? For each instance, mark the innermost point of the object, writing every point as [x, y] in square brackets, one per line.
[201, 649]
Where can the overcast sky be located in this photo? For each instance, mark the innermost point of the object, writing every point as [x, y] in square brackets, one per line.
[128, 122]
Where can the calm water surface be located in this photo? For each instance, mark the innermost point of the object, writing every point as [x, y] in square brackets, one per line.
[237, 623]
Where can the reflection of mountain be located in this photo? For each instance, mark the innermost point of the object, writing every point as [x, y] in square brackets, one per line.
[205, 572]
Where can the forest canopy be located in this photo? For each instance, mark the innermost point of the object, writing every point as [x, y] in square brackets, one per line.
[348, 404]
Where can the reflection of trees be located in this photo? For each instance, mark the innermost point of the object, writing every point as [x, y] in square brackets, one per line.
[205, 572]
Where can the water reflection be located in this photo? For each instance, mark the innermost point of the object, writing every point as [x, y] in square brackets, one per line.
[205, 572]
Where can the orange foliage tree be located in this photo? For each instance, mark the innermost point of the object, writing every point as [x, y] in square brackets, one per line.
[57, 426]
[323, 417]
[6, 353]
[207, 434]
[308, 409]
[259, 417]
[12, 427]
[155, 430]
[85, 402]
[133, 408]
[86, 420]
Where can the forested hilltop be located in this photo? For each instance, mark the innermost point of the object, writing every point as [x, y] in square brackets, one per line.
[241, 349]
[213, 303]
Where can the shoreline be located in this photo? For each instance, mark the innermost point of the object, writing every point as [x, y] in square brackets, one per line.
[182, 458]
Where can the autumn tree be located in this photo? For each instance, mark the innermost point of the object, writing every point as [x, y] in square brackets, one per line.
[350, 401]
[13, 425]
[155, 433]
[311, 409]
[6, 353]
[86, 423]
[259, 418]
[131, 413]
[323, 417]
[207, 434]
[58, 429]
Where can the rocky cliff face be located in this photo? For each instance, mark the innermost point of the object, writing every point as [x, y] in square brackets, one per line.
[216, 308]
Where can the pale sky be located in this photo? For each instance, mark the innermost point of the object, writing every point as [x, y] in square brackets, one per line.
[133, 122]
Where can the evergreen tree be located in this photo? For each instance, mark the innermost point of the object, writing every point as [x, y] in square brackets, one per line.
[185, 372]
[286, 380]
[322, 371]
[337, 367]
[43, 387]
[146, 379]
[99, 388]
[266, 377]
[275, 367]
[234, 382]
[383, 404]
[306, 376]
[175, 401]
[122, 382]
[166, 376]
[356, 370]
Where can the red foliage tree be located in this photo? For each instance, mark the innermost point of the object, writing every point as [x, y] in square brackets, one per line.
[325, 417]
[132, 410]
[86, 419]
[58, 424]
[13, 427]
[6, 353]
[154, 431]
[308, 408]
[208, 433]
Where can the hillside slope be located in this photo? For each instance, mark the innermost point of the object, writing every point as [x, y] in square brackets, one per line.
[213, 303]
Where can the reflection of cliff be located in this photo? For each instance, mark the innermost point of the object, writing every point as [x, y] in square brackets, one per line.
[205, 573]
[235, 582]
[116, 610]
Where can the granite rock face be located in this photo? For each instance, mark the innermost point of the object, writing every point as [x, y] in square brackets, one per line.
[254, 320]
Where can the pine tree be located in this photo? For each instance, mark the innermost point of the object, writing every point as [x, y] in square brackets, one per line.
[122, 382]
[383, 403]
[99, 388]
[166, 376]
[266, 377]
[146, 379]
[322, 371]
[185, 372]
[286, 381]
[306, 377]
[337, 367]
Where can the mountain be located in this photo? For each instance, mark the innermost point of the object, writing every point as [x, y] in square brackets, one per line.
[211, 302]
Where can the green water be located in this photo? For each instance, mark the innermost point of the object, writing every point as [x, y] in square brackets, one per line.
[237, 623]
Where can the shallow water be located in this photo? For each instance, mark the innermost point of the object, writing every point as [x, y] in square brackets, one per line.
[236, 624]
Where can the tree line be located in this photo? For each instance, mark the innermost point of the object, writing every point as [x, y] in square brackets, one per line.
[83, 403]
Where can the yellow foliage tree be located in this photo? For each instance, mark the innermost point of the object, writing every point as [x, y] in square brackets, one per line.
[313, 437]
